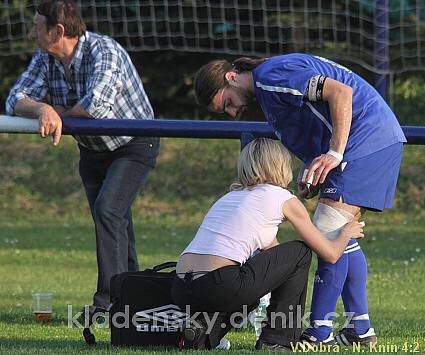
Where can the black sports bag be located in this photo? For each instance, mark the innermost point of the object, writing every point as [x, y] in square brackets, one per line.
[142, 312]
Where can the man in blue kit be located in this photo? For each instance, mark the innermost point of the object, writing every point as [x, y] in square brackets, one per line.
[351, 144]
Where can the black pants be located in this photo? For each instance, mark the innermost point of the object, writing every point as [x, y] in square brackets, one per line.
[112, 181]
[282, 270]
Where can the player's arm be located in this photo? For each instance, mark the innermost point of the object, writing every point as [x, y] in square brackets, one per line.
[339, 98]
[105, 82]
[329, 250]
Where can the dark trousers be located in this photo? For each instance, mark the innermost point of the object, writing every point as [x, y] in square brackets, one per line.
[282, 270]
[112, 180]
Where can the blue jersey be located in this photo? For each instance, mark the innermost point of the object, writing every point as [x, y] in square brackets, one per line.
[305, 127]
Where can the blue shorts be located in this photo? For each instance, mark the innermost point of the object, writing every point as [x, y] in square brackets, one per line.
[367, 182]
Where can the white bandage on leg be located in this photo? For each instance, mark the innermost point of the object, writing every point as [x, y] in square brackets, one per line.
[330, 220]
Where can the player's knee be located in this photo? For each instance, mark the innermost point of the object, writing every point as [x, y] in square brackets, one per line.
[330, 220]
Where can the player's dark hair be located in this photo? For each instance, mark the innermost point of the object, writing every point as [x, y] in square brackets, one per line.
[210, 78]
[64, 12]
[247, 64]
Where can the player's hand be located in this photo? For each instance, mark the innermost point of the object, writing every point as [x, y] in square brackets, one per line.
[307, 191]
[49, 123]
[354, 229]
[320, 167]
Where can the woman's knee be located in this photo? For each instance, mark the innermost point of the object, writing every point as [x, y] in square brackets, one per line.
[301, 249]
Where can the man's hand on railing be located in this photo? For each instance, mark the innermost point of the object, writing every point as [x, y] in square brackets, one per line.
[50, 123]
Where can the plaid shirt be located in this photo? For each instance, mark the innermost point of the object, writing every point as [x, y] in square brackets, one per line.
[103, 80]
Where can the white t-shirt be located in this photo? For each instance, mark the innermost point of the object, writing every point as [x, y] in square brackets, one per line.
[241, 222]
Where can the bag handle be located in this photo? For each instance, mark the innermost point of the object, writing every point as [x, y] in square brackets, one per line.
[163, 266]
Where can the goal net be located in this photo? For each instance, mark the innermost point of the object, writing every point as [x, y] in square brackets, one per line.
[340, 29]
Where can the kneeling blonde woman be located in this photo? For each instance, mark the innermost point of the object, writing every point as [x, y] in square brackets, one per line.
[217, 273]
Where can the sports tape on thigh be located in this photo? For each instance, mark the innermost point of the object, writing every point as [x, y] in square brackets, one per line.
[330, 220]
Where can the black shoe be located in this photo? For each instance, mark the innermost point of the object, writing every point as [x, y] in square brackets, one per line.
[349, 337]
[194, 336]
[263, 345]
[309, 342]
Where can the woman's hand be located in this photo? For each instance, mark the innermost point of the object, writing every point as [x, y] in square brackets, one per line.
[329, 250]
[354, 229]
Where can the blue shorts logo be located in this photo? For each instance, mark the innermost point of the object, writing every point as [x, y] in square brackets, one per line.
[330, 190]
[317, 279]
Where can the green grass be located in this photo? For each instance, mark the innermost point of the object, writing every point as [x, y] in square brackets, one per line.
[61, 258]
[47, 239]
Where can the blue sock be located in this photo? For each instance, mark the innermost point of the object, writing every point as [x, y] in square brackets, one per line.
[328, 284]
[354, 292]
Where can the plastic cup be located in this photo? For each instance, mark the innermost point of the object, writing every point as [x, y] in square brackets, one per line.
[42, 306]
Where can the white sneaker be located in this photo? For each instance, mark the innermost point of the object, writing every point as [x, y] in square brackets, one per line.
[224, 344]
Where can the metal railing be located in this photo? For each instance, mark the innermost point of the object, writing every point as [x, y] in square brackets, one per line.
[244, 131]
